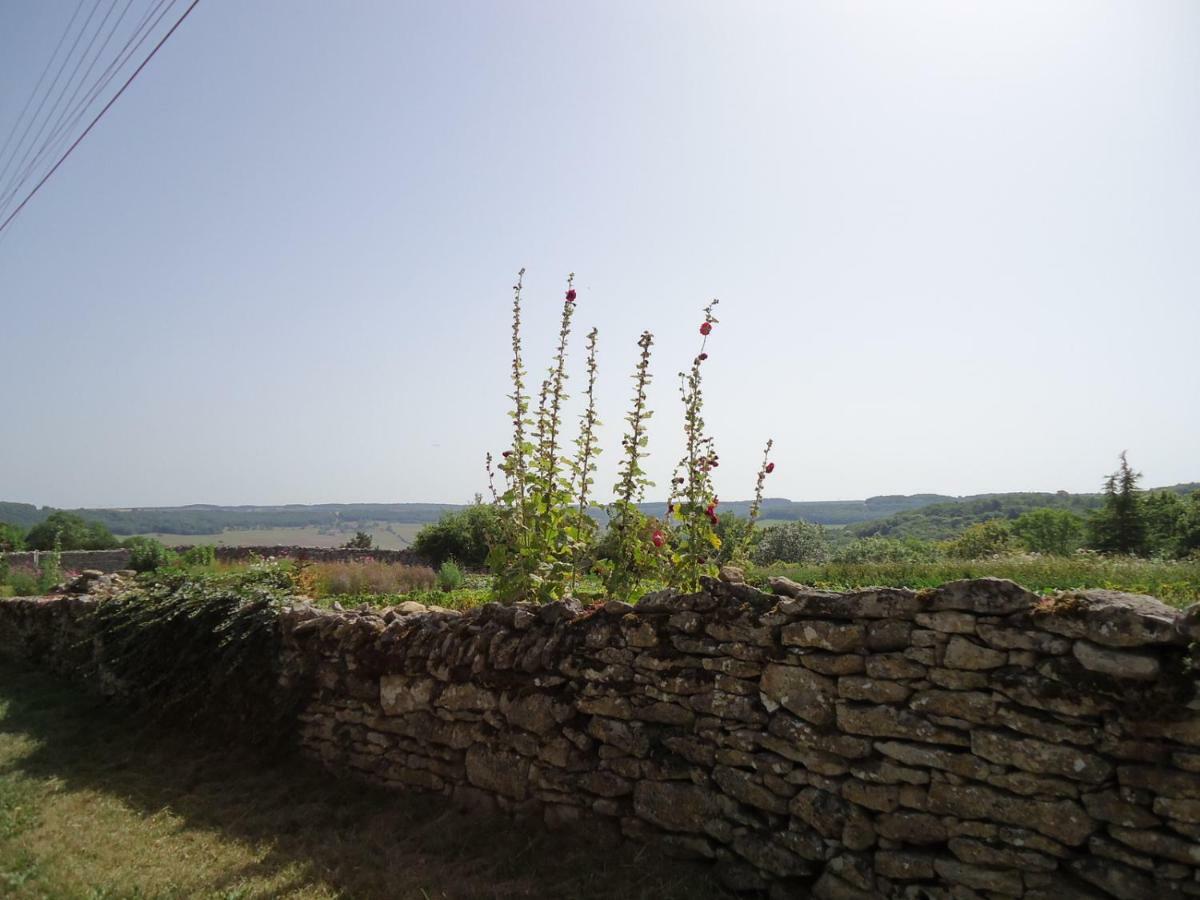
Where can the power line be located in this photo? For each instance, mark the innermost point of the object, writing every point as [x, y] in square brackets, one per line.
[53, 85]
[68, 120]
[37, 87]
[99, 116]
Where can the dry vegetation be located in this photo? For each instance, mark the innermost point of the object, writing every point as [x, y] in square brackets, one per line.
[92, 806]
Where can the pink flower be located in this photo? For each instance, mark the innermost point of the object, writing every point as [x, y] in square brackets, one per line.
[571, 295]
[705, 328]
[770, 467]
[658, 539]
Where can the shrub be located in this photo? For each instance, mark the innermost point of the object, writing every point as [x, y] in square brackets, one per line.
[464, 536]
[884, 550]
[1057, 532]
[147, 554]
[449, 577]
[201, 555]
[67, 531]
[981, 540]
[23, 583]
[339, 579]
[360, 541]
[792, 542]
[12, 538]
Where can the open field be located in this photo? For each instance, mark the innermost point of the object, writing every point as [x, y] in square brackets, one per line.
[93, 805]
[387, 536]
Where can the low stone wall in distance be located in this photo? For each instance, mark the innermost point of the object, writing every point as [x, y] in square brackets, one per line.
[316, 554]
[971, 741]
[73, 560]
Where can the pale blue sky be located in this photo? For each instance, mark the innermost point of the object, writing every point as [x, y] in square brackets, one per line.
[955, 245]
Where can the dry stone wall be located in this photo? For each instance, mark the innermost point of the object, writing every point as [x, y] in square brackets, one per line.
[975, 741]
[72, 560]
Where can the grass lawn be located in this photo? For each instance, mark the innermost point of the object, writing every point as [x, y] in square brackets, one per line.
[93, 805]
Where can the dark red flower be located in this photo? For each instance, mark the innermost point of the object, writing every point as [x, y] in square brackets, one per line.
[658, 539]
[703, 356]
[705, 328]
[571, 295]
[770, 467]
[506, 453]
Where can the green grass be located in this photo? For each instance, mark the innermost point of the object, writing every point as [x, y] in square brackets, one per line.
[1176, 583]
[95, 805]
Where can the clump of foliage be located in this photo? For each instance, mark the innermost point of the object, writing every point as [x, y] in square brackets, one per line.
[1118, 526]
[12, 538]
[792, 542]
[367, 576]
[463, 536]
[1057, 532]
[884, 550]
[449, 577]
[200, 646]
[24, 583]
[147, 554]
[200, 556]
[542, 534]
[361, 541]
[67, 531]
[981, 540]
[631, 554]
[542, 544]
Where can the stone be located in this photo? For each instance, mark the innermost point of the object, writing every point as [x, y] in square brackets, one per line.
[836, 637]
[971, 706]
[949, 621]
[799, 690]
[1063, 820]
[732, 574]
[743, 787]
[1114, 879]
[888, 634]
[400, 694]
[1111, 618]
[983, 596]
[1158, 843]
[889, 722]
[538, 713]
[831, 663]
[1117, 663]
[911, 827]
[1161, 780]
[997, 881]
[962, 653]
[893, 666]
[822, 811]
[904, 865]
[1172, 808]
[855, 688]
[1109, 806]
[1039, 757]
[675, 806]
[934, 757]
[1002, 856]
[499, 771]
[879, 797]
